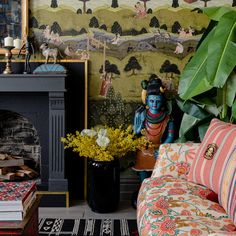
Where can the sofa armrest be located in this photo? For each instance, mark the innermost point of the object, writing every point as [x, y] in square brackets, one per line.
[175, 159]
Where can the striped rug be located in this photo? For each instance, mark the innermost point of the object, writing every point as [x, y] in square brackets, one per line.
[88, 227]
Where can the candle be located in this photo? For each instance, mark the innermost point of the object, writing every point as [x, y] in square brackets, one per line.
[8, 41]
[17, 43]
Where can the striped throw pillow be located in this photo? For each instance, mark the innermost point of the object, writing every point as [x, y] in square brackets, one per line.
[227, 191]
[212, 155]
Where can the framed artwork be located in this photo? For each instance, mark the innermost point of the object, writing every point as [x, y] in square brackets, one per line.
[13, 20]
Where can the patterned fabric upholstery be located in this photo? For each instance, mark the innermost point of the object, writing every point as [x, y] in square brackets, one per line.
[208, 165]
[175, 159]
[169, 205]
[227, 192]
[174, 206]
[223, 234]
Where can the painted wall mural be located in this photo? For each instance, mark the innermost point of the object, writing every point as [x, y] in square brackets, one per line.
[126, 42]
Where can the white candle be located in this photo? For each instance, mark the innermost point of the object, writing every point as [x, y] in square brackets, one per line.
[17, 43]
[8, 41]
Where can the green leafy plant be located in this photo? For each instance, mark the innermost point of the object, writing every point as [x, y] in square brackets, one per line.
[207, 85]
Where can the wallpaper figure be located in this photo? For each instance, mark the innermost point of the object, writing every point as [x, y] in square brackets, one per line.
[179, 48]
[140, 35]
[140, 10]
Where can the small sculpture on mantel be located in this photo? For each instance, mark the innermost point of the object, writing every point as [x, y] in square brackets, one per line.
[29, 50]
[49, 52]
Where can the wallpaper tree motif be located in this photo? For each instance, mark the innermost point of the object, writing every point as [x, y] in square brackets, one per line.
[125, 41]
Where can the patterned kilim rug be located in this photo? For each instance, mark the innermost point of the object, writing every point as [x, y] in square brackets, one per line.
[88, 227]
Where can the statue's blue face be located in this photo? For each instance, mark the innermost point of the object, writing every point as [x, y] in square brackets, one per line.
[154, 103]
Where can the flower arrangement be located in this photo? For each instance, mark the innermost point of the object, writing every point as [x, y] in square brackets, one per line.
[104, 144]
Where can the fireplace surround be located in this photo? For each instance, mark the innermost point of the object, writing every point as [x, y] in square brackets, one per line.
[40, 98]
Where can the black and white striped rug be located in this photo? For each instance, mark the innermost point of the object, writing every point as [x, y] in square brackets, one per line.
[88, 227]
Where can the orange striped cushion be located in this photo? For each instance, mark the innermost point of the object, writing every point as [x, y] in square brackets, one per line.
[208, 172]
[227, 191]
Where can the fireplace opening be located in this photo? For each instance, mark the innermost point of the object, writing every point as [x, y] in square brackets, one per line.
[20, 150]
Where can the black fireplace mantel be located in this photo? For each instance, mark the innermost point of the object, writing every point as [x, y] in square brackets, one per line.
[32, 83]
[40, 98]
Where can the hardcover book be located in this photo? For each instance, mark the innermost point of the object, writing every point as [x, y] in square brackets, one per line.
[10, 215]
[15, 194]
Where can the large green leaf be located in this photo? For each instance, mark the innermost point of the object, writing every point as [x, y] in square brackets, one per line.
[202, 130]
[234, 111]
[192, 109]
[215, 13]
[187, 124]
[192, 128]
[221, 102]
[222, 50]
[209, 104]
[231, 89]
[193, 80]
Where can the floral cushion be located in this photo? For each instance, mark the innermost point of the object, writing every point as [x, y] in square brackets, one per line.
[175, 159]
[173, 206]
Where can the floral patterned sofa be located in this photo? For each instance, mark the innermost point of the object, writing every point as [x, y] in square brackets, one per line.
[169, 204]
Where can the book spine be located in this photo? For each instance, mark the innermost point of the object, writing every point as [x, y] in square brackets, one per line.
[29, 205]
[18, 215]
[11, 216]
[33, 188]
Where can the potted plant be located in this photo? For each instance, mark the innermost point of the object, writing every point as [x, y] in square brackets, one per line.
[104, 147]
[207, 85]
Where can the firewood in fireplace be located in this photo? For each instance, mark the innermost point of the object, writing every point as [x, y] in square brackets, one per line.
[5, 170]
[20, 174]
[28, 171]
[8, 160]
[2, 156]
[8, 176]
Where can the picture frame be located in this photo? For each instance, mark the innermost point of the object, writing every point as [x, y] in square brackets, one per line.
[23, 11]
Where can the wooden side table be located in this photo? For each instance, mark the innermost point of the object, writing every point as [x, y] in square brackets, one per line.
[27, 227]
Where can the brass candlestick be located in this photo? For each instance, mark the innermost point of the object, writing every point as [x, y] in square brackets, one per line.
[8, 56]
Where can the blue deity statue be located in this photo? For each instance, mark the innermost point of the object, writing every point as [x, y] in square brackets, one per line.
[154, 121]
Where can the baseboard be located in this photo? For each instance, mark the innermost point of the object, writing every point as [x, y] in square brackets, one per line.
[53, 199]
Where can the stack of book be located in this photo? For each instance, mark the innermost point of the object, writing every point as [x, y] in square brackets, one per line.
[16, 198]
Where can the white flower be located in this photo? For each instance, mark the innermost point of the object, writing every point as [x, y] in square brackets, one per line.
[103, 141]
[89, 132]
[102, 132]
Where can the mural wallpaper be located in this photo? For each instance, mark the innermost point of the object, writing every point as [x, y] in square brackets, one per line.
[125, 41]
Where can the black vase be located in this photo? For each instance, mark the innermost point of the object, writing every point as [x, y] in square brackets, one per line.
[103, 186]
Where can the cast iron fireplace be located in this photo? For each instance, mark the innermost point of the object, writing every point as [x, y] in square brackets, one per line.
[40, 98]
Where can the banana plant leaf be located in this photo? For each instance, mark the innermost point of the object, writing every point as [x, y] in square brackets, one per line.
[208, 102]
[192, 128]
[187, 124]
[233, 117]
[211, 25]
[193, 80]
[221, 102]
[193, 117]
[226, 96]
[231, 89]
[215, 13]
[192, 109]
[202, 130]
[222, 50]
